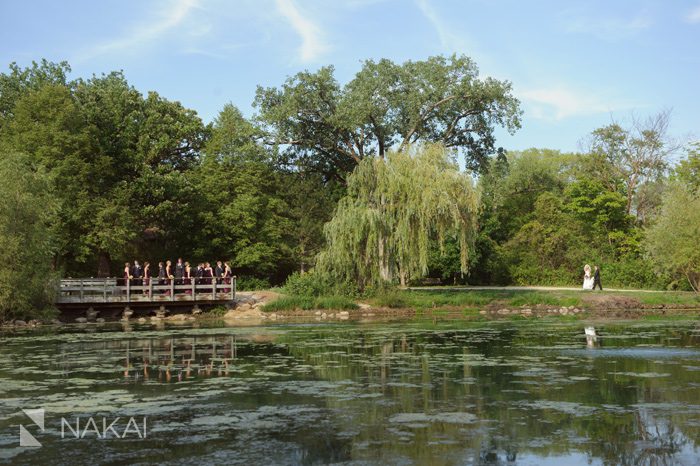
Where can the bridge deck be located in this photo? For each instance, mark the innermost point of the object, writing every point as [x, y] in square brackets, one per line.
[95, 291]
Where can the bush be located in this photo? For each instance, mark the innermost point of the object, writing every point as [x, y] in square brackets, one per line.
[251, 284]
[306, 303]
[306, 284]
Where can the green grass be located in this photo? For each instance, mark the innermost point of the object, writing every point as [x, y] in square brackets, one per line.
[473, 298]
[470, 301]
[290, 303]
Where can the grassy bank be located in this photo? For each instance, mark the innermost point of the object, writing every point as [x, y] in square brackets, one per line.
[290, 303]
[467, 300]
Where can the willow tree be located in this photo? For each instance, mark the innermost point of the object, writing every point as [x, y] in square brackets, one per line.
[394, 207]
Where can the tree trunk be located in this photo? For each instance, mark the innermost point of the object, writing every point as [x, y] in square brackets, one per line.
[104, 265]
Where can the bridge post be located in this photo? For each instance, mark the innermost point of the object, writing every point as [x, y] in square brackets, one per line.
[194, 288]
[213, 290]
[172, 289]
[82, 293]
[104, 291]
[128, 290]
[233, 288]
[150, 289]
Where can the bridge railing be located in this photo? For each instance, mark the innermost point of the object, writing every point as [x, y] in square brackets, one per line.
[112, 290]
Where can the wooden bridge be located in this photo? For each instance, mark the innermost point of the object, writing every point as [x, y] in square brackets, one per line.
[104, 293]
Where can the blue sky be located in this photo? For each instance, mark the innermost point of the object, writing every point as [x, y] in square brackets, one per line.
[574, 65]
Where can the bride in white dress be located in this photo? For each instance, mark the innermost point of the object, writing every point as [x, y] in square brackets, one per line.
[587, 278]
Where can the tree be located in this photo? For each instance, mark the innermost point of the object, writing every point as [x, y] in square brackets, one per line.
[383, 227]
[330, 128]
[116, 160]
[688, 170]
[632, 156]
[27, 211]
[19, 81]
[672, 241]
[243, 216]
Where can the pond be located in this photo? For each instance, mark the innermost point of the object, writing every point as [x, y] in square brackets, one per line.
[354, 393]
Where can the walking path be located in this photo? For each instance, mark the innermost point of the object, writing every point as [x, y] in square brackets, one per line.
[520, 288]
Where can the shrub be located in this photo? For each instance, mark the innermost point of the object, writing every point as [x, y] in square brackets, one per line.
[251, 284]
[306, 284]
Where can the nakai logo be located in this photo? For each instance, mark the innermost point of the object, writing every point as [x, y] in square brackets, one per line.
[25, 438]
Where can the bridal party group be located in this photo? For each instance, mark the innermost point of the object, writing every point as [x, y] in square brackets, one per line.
[181, 273]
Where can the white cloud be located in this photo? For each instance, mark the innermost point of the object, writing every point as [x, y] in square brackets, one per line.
[607, 28]
[558, 103]
[312, 40]
[448, 39]
[168, 18]
[693, 15]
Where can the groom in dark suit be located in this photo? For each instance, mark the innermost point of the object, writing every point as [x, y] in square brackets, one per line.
[596, 278]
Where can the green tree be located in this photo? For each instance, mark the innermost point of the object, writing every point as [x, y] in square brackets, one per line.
[688, 170]
[27, 211]
[383, 227]
[632, 156]
[244, 216]
[672, 241]
[330, 128]
[116, 159]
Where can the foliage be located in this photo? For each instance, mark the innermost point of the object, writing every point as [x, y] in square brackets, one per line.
[306, 303]
[305, 284]
[330, 128]
[688, 169]
[394, 206]
[633, 155]
[27, 210]
[672, 241]
[251, 284]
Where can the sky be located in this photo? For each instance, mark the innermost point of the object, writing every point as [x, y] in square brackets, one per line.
[574, 65]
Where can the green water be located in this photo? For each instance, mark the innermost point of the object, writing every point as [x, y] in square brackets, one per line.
[391, 393]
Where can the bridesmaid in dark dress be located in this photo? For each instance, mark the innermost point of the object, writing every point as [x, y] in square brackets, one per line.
[227, 276]
[188, 277]
[127, 274]
[146, 276]
[168, 274]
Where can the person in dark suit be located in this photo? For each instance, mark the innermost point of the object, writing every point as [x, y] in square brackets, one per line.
[199, 274]
[179, 271]
[137, 273]
[596, 278]
[218, 271]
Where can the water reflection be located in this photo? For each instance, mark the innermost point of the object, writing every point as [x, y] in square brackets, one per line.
[400, 393]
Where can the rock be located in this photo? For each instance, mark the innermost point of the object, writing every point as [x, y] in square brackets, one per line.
[256, 298]
[196, 310]
[273, 316]
[20, 323]
[178, 318]
[156, 319]
[244, 307]
[91, 313]
[141, 320]
[56, 322]
[482, 312]
[364, 306]
[81, 320]
[503, 311]
[99, 320]
[258, 305]
[324, 315]
[317, 313]
[161, 312]
[526, 312]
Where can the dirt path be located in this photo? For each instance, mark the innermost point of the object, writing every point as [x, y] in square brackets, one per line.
[522, 288]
